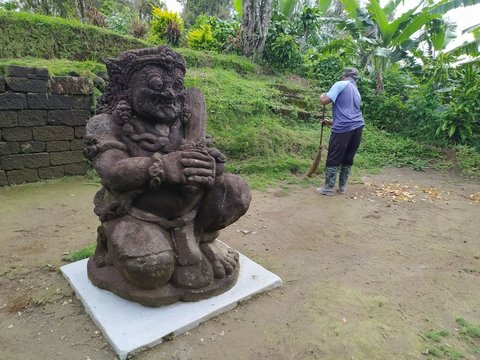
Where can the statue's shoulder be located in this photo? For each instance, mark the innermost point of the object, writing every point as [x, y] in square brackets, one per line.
[102, 134]
[100, 124]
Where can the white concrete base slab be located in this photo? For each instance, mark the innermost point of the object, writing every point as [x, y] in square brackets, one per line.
[131, 327]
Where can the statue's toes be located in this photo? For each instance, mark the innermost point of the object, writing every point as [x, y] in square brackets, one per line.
[233, 255]
[230, 260]
[228, 266]
[219, 270]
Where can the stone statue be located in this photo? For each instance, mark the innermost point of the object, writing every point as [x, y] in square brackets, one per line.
[165, 195]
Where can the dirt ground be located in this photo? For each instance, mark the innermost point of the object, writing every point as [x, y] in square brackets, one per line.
[366, 274]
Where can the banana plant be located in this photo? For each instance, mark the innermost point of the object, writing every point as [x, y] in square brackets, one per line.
[393, 38]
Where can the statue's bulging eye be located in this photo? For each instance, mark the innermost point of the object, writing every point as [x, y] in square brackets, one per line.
[178, 85]
[155, 83]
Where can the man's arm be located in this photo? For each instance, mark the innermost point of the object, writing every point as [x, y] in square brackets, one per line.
[324, 99]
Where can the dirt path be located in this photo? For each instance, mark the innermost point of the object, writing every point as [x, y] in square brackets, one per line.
[366, 276]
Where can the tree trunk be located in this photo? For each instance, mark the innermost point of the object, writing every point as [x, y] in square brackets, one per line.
[379, 83]
[255, 21]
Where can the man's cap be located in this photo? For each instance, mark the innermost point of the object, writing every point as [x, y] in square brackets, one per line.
[351, 73]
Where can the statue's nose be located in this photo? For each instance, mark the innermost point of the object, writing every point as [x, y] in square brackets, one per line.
[167, 91]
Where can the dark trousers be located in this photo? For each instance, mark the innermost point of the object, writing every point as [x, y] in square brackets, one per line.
[343, 147]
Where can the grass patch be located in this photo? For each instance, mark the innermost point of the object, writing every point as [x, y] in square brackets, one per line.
[81, 254]
[211, 59]
[25, 34]
[465, 336]
[436, 335]
[58, 67]
[444, 352]
[468, 330]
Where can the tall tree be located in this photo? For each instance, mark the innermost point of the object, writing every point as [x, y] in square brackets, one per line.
[256, 15]
[193, 8]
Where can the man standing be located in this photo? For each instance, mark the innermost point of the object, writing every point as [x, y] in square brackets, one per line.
[347, 129]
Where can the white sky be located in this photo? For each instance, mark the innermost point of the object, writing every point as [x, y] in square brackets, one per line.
[464, 17]
[173, 5]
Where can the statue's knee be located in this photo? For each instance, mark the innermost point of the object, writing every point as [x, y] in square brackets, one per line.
[150, 271]
[238, 193]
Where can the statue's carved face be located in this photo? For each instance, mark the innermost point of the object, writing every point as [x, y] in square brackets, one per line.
[157, 93]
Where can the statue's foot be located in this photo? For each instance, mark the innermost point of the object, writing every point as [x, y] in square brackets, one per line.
[223, 259]
[193, 276]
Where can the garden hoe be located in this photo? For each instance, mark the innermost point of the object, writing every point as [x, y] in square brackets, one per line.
[316, 162]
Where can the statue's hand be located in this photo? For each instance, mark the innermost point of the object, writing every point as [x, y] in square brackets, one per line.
[219, 160]
[189, 167]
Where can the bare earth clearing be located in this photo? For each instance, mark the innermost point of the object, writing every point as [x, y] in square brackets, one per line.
[366, 276]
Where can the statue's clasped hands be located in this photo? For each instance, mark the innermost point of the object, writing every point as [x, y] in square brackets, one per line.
[189, 167]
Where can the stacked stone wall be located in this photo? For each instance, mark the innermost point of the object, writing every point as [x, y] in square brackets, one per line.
[42, 124]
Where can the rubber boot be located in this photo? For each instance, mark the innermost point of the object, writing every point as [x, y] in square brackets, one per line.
[330, 179]
[343, 177]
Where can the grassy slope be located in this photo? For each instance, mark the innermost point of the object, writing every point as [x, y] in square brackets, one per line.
[24, 34]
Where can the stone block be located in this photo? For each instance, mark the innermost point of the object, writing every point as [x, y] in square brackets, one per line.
[8, 148]
[8, 119]
[26, 85]
[32, 118]
[2, 84]
[66, 157]
[17, 134]
[54, 146]
[79, 132]
[37, 160]
[77, 144]
[51, 133]
[76, 169]
[29, 147]
[22, 176]
[68, 117]
[82, 102]
[60, 102]
[26, 72]
[49, 101]
[19, 71]
[37, 101]
[51, 172]
[70, 85]
[3, 178]
[11, 162]
[41, 72]
[12, 101]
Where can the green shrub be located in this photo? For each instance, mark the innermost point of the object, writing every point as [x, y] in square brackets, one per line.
[387, 112]
[212, 33]
[283, 53]
[325, 69]
[201, 38]
[461, 118]
[165, 26]
[468, 159]
[120, 20]
[24, 34]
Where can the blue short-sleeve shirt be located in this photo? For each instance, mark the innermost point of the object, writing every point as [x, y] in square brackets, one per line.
[346, 99]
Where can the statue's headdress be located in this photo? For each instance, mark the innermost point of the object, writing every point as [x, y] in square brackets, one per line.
[129, 62]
